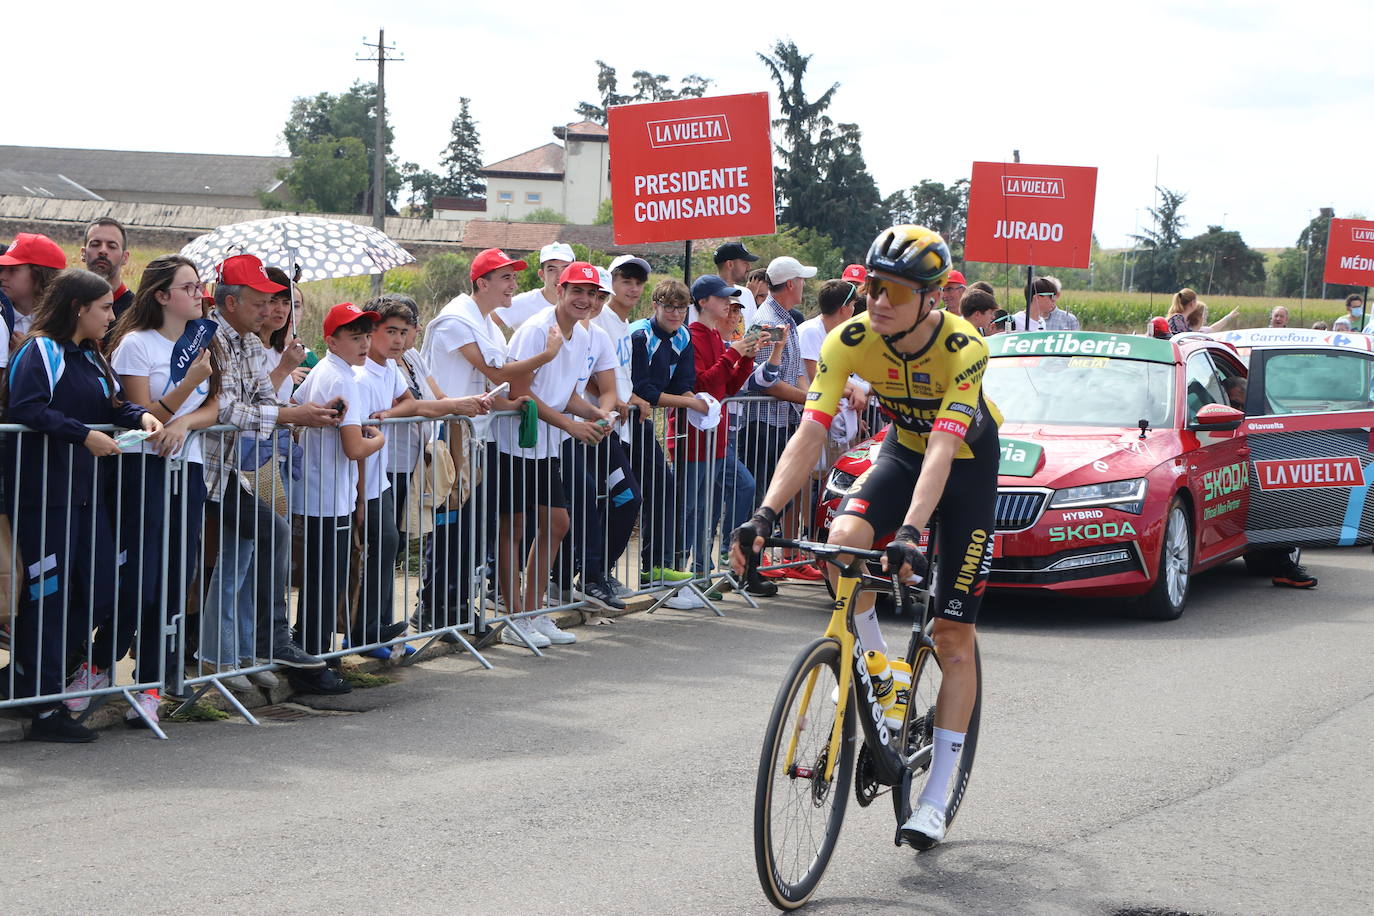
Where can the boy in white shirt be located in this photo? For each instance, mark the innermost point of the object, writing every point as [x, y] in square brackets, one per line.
[552, 260]
[530, 476]
[326, 496]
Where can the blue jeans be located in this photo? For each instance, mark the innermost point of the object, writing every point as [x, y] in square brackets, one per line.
[739, 489]
[227, 619]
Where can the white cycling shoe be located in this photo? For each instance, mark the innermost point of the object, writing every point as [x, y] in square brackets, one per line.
[924, 828]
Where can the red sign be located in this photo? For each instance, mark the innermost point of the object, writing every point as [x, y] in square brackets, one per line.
[1031, 214]
[1350, 253]
[1305, 473]
[691, 169]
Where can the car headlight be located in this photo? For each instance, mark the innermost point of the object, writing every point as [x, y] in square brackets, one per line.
[1125, 495]
[838, 484]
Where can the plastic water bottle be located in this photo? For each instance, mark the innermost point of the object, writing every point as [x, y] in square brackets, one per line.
[901, 683]
[883, 685]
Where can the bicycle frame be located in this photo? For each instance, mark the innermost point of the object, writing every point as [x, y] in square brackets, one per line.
[891, 764]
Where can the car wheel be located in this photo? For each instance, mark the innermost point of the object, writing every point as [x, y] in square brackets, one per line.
[1165, 599]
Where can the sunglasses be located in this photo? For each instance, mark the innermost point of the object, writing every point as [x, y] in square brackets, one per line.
[898, 294]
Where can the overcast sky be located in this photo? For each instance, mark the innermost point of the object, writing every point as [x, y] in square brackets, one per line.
[1260, 112]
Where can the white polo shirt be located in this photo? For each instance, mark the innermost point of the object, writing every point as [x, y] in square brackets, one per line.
[328, 487]
[147, 354]
[554, 383]
[379, 385]
[458, 324]
[522, 308]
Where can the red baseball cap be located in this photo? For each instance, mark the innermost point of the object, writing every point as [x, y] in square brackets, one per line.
[855, 273]
[580, 272]
[345, 313]
[493, 259]
[32, 248]
[247, 270]
[955, 278]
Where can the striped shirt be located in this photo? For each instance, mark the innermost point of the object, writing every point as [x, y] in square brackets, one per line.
[247, 401]
[779, 413]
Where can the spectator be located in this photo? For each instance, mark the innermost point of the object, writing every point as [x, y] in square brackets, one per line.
[1321, 325]
[160, 351]
[733, 264]
[980, 308]
[1341, 324]
[712, 477]
[1198, 321]
[531, 474]
[27, 269]
[1278, 317]
[1182, 309]
[106, 252]
[757, 285]
[985, 286]
[288, 359]
[664, 375]
[765, 427]
[594, 534]
[857, 274]
[327, 500]
[953, 291]
[58, 384]
[1000, 322]
[553, 259]
[468, 353]
[1354, 313]
[249, 528]
[1043, 296]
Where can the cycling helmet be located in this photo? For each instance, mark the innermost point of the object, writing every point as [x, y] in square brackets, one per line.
[914, 253]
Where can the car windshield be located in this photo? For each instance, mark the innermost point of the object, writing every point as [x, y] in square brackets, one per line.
[1315, 381]
[1081, 390]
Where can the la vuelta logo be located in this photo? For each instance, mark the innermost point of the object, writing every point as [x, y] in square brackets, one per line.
[1362, 235]
[1025, 186]
[689, 131]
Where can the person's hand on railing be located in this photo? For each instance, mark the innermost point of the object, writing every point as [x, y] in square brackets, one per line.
[643, 409]
[172, 436]
[747, 541]
[317, 415]
[99, 444]
[587, 431]
[699, 406]
[904, 554]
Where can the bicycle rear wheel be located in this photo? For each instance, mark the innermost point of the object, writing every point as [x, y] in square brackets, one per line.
[797, 812]
[919, 728]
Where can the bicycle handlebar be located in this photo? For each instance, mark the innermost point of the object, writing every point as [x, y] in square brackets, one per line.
[824, 551]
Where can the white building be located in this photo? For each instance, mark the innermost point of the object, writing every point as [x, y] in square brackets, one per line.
[571, 178]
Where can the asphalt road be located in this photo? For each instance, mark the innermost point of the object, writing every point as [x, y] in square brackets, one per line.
[1218, 764]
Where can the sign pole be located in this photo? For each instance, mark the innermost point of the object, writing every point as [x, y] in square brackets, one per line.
[687, 263]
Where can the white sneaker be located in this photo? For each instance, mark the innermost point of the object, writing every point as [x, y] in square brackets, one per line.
[684, 601]
[510, 635]
[544, 625]
[925, 827]
[148, 701]
[84, 679]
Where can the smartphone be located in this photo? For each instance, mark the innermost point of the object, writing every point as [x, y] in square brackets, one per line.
[339, 406]
[774, 332]
[499, 389]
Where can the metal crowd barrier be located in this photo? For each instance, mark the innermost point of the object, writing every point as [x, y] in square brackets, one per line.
[213, 591]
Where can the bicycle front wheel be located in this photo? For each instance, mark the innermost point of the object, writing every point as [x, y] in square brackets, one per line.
[797, 810]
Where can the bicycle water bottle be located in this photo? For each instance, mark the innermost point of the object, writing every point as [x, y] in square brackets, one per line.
[901, 683]
[883, 685]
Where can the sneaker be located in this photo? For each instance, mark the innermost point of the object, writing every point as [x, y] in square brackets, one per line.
[760, 588]
[559, 595]
[85, 679]
[684, 601]
[620, 588]
[1294, 575]
[232, 681]
[663, 574]
[603, 593]
[149, 702]
[544, 625]
[510, 635]
[773, 573]
[264, 679]
[713, 594]
[805, 573]
[924, 828]
[324, 682]
[60, 728]
[293, 656]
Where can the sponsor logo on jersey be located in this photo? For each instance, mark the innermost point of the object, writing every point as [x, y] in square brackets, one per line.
[973, 561]
[813, 395]
[894, 374]
[963, 408]
[920, 378]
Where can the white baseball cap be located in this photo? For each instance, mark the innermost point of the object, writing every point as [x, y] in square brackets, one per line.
[604, 280]
[785, 268]
[629, 259]
[710, 419]
[558, 251]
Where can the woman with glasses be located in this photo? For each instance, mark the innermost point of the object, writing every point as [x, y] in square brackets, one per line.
[160, 350]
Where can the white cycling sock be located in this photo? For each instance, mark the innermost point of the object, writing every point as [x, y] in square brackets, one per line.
[870, 634]
[948, 744]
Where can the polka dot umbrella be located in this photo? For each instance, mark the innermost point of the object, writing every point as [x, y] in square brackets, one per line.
[321, 248]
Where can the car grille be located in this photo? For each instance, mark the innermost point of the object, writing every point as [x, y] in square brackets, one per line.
[1018, 509]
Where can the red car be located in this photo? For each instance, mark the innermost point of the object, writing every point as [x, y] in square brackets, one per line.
[1123, 469]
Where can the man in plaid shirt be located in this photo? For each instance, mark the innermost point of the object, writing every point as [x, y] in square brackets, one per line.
[249, 528]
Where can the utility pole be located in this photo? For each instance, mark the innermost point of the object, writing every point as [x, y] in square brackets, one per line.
[379, 143]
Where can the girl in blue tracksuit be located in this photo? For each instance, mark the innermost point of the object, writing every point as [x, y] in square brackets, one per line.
[57, 383]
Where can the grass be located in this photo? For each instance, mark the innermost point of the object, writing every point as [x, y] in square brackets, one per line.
[364, 680]
[200, 712]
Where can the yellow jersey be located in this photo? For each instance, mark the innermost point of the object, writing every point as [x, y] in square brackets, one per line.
[939, 388]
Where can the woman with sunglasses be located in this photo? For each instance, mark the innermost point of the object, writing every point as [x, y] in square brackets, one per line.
[925, 366]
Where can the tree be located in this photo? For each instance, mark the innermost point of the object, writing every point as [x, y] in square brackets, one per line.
[1220, 261]
[544, 215]
[649, 87]
[326, 117]
[605, 213]
[424, 187]
[1157, 265]
[936, 206]
[806, 245]
[824, 184]
[462, 158]
[328, 174]
[1299, 270]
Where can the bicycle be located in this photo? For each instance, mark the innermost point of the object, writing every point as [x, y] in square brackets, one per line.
[809, 754]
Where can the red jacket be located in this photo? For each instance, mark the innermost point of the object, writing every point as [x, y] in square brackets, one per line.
[721, 372]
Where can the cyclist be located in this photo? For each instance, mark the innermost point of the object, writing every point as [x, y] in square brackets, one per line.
[926, 368]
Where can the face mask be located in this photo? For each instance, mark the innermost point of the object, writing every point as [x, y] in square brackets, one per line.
[1357, 310]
